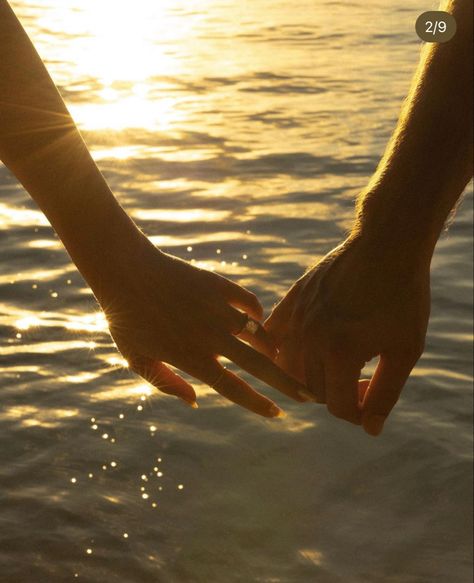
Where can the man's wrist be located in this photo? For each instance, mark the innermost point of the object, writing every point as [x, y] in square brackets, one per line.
[395, 220]
[392, 243]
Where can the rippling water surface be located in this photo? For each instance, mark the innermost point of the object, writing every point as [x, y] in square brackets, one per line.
[237, 135]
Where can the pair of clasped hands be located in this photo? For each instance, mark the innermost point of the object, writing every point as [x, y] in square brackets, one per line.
[369, 297]
[350, 307]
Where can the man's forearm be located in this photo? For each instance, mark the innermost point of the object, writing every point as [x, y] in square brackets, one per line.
[428, 160]
[41, 145]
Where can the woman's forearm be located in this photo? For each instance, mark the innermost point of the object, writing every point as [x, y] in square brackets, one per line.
[428, 160]
[41, 145]
[160, 309]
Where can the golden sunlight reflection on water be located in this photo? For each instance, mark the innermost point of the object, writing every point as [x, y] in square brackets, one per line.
[122, 49]
[237, 136]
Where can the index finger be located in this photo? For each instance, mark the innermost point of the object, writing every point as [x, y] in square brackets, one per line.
[390, 376]
[262, 368]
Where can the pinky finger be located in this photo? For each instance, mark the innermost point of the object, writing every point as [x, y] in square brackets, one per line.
[164, 379]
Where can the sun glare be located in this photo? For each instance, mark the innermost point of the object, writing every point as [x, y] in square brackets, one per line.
[124, 43]
[120, 55]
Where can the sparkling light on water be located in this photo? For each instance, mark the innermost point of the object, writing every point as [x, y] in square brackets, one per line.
[237, 136]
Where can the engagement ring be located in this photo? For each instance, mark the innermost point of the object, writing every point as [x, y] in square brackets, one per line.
[251, 326]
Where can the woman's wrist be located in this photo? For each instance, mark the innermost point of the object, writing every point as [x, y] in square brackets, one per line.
[103, 241]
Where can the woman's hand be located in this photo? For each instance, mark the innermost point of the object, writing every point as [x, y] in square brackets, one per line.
[163, 310]
[360, 301]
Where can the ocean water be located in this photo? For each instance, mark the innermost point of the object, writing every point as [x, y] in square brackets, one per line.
[237, 136]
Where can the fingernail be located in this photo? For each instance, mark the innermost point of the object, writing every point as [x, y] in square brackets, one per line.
[192, 404]
[276, 412]
[374, 424]
[307, 396]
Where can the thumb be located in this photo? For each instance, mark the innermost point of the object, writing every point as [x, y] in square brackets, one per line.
[384, 390]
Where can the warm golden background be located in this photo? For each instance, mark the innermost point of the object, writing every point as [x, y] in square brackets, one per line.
[237, 135]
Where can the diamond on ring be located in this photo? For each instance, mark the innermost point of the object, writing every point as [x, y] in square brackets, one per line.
[251, 326]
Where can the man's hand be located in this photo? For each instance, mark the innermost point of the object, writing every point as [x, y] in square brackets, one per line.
[357, 303]
[371, 296]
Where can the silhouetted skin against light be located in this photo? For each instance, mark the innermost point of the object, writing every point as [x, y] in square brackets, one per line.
[371, 295]
[160, 309]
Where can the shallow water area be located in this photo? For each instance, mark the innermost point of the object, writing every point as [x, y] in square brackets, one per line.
[237, 136]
